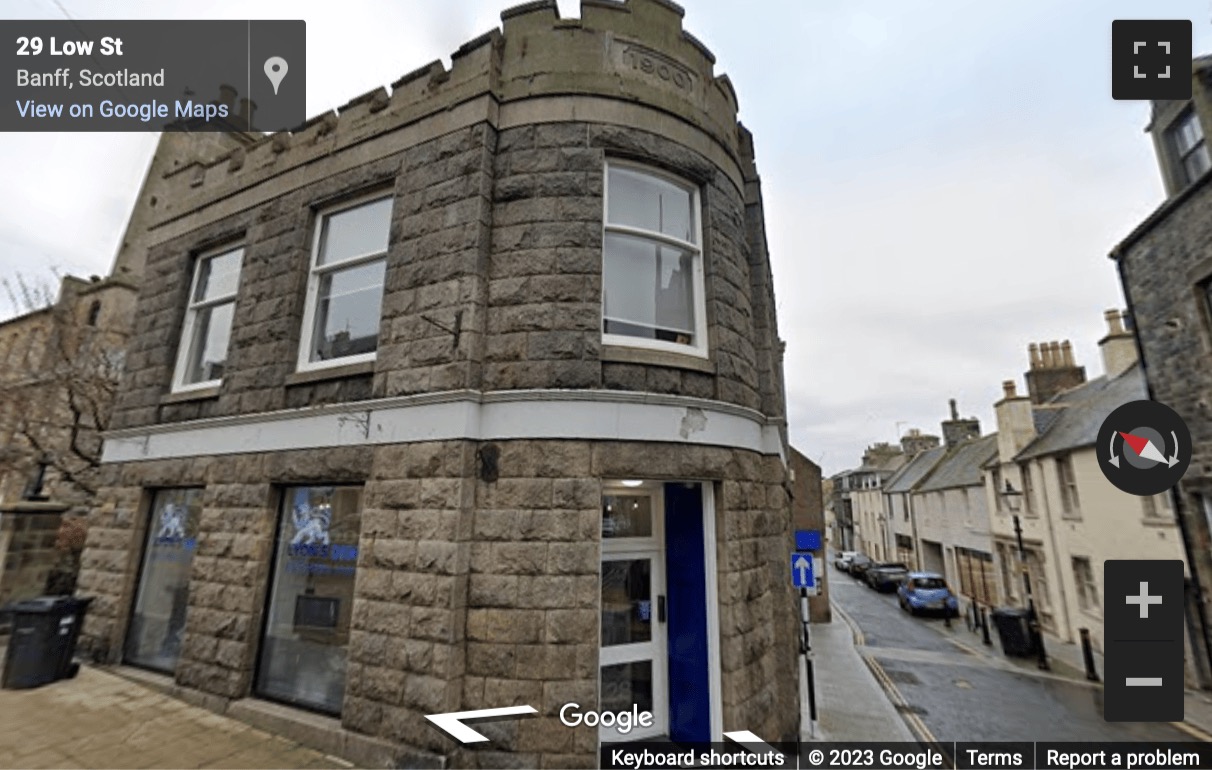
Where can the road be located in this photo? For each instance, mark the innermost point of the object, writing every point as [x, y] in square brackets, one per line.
[949, 689]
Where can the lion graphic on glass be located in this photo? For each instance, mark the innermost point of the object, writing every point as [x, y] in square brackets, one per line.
[311, 523]
[172, 522]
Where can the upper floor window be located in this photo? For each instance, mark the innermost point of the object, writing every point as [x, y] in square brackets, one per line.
[652, 262]
[1087, 586]
[1068, 484]
[1028, 489]
[345, 290]
[207, 329]
[1190, 150]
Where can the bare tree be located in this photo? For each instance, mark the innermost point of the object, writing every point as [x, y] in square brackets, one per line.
[57, 395]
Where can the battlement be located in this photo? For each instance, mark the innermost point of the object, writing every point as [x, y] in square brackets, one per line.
[630, 50]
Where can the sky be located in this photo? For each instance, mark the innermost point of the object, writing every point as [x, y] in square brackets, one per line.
[942, 180]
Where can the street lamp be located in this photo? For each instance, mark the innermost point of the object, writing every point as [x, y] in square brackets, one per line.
[1013, 501]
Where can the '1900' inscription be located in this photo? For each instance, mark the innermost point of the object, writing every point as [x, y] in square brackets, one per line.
[657, 65]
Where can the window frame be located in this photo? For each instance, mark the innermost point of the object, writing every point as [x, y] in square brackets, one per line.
[1181, 156]
[700, 347]
[192, 308]
[316, 272]
[1085, 584]
[1028, 481]
[1066, 481]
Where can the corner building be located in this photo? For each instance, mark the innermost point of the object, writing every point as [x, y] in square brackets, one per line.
[468, 395]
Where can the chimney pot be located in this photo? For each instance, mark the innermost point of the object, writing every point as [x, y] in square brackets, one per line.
[1067, 353]
[1033, 355]
[1114, 322]
[954, 409]
[1055, 349]
[1009, 389]
[1045, 355]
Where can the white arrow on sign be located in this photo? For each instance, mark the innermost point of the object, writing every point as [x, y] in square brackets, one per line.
[802, 566]
[453, 721]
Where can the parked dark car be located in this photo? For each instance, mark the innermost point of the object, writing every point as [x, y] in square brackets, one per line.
[927, 592]
[860, 564]
[886, 577]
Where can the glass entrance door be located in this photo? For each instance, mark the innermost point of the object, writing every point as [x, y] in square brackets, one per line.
[633, 654]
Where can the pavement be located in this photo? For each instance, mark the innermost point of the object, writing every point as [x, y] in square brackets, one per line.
[852, 704]
[99, 720]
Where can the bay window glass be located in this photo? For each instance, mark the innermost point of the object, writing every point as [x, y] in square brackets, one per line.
[652, 262]
[207, 329]
[158, 621]
[345, 291]
[303, 654]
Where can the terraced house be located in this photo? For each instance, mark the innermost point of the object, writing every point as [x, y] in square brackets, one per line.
[465, 396]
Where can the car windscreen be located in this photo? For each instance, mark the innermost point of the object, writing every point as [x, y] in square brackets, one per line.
[928, 583]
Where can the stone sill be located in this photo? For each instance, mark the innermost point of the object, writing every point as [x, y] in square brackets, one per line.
[1159, 521]
[201, 394]
[331, 373]
[619, 354]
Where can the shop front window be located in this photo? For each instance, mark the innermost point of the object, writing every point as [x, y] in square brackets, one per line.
[158, 621]
[303, 655]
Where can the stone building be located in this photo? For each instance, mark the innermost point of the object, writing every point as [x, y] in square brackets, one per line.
[935, 507]
[1165, 268]
[808, 513]
[871, 534]
[466, 396]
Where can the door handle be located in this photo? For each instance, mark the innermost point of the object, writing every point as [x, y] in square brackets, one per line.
[661, 608]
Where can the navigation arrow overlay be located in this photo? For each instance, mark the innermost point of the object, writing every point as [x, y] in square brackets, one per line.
[1114, 457]
[1172, 461]
[453, 722]
[750, 741]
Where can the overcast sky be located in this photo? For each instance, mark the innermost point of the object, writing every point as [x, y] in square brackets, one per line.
[943, 180]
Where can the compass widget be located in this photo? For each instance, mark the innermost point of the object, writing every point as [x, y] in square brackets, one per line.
[1143, 448]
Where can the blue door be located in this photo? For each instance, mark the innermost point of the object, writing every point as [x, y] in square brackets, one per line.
[689, 693]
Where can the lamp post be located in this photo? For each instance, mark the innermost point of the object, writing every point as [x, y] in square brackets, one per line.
[1013, 501]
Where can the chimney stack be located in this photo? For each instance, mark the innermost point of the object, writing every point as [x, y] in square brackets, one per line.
[915, 442]
[1118, 348]
[1015, 421]
[956, 430]
[1055, 372]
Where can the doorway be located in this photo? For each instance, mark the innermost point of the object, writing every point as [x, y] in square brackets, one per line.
[658, 609]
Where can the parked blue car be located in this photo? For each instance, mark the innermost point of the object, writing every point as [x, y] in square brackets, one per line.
[927, 592]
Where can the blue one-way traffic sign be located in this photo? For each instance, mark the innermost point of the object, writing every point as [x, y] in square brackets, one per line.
[801, 570]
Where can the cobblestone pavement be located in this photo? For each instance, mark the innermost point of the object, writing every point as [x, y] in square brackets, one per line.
[99, 720]
[949, 687]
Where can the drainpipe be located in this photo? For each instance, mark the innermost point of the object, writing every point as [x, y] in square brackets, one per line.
[917, 543]
[1060, 573]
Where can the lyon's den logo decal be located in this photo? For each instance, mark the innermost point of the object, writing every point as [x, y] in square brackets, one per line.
[311, 524]
[172, 523]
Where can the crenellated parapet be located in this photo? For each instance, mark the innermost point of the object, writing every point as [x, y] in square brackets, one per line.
[634, 51]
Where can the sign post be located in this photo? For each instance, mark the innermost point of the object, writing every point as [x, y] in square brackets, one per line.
[803, 577]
